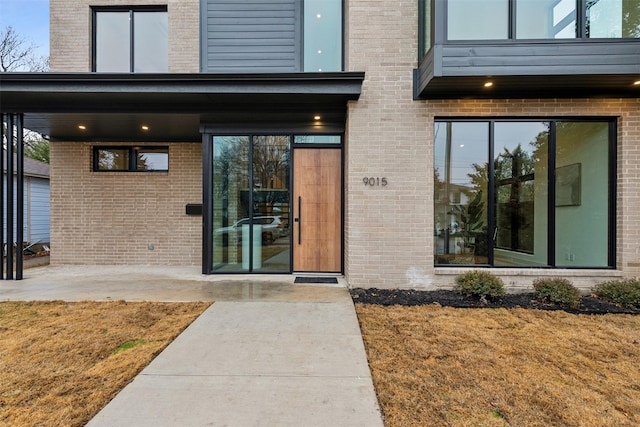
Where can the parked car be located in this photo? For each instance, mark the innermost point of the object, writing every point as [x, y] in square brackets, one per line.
[272, 228]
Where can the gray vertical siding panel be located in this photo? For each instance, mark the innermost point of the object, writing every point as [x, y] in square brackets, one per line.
[251, 36]
[37, 210]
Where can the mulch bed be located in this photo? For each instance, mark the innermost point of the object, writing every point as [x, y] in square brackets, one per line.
[449, 298]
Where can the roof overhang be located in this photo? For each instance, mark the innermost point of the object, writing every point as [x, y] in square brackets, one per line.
[113, 107]
[529, 69]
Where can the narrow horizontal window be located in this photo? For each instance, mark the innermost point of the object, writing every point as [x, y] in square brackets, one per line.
[130, 159]
[317, 139]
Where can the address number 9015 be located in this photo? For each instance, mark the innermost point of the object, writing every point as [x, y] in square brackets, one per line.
[375, 181]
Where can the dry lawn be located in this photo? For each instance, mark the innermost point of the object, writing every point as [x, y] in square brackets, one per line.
[440, 366]
[60, 362]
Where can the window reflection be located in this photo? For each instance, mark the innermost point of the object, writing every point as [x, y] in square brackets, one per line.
[539, 19]
[318, 139]
[478, 20]
[461, 167]
[271, 159]
[425, 30]
[230, 204]
[113, 159]
[513, 227]
[152, 159]
[119, 33]
[582, 196]
[251, 213]
[545, 19]
[150, 42]
[613, 18]
[322, 35]
[113, 42]
[520, 174]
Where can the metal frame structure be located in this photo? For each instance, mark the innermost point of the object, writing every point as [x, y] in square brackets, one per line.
[12, 203]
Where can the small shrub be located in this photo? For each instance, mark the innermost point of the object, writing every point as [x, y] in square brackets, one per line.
[557, 291]
[480, 284]
[622, 292]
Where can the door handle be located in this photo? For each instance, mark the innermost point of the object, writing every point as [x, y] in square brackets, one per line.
[299, 220]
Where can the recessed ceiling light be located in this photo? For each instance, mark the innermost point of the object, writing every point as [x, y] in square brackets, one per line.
[316, 117]
[144, 127]
[82, 127]
[488, 84]
[319, 52]
[318, 16]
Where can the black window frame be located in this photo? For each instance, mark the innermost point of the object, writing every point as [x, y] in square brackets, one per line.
[132, 160]
[131, 10]
[551, 224]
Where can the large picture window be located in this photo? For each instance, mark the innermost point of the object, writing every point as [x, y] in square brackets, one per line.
[524, 193]
[542, 19]
[130, 40]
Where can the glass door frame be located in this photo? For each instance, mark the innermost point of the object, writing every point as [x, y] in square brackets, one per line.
[208, 187]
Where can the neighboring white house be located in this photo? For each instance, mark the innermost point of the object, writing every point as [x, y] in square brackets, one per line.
[36, 201]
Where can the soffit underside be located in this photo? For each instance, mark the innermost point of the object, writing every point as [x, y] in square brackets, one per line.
[173, 107]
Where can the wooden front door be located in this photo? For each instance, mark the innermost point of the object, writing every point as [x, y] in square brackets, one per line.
[317, 210]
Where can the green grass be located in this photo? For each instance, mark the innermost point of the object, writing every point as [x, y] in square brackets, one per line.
[128, 345]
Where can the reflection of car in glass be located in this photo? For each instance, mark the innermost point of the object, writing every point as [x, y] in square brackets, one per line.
[272, 228]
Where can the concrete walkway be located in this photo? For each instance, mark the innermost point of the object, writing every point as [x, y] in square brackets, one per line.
[267, 353]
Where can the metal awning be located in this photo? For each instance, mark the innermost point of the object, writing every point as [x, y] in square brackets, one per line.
[113, 107]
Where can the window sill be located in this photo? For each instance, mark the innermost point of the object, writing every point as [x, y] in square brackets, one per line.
[532, 272]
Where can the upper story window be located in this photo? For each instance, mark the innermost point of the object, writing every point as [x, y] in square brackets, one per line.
[272, 37]
[478, 20]
[322, 35]
[542, 19]
[130, 39]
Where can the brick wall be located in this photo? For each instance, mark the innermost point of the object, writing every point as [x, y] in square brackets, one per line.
[70, 33]
[112, 217]
[389, 230]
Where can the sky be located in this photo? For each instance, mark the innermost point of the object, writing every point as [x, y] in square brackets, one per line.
[30, 19]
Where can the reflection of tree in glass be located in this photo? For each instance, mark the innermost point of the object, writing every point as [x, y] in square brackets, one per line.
[470, 217]
[142, 163]
[230, 163]
[630, 19]
[270, 172]
[113, 159]
[514, 168]
[514, 175]
[270, 161]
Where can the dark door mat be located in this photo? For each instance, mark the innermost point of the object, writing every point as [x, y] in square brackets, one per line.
[316, 280]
